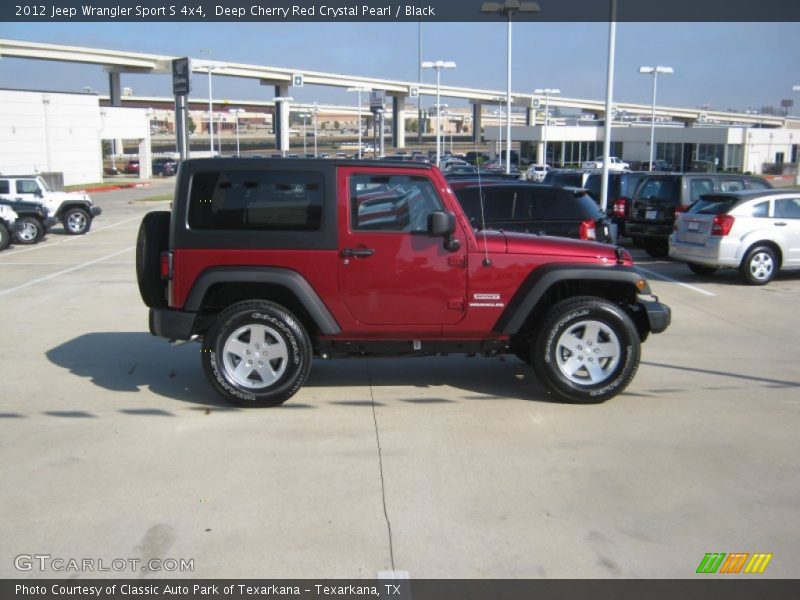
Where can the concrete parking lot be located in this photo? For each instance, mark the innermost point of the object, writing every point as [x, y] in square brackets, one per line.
[115, 446]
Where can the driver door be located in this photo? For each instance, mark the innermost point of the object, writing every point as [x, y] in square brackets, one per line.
[391, 271]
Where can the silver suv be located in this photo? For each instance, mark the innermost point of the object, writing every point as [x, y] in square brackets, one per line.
[757, 232]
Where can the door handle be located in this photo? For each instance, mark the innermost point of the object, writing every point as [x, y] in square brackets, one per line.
[780, 224]
[357, 252]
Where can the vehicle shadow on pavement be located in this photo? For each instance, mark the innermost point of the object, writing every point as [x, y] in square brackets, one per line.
[129, 362]
[476, 378]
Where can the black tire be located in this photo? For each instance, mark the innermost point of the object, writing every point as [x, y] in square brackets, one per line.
[5, 237]
[637, 242]
[76, 221]
[152, 240]
[614, 329]
[701, 269]
[656, 248]
[30, 230]
[760, 265]
[254, 386]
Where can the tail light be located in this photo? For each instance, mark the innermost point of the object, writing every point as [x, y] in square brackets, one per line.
[681, 208]
[621, 207]
[588, 230]
[722, 225]
[166, 265]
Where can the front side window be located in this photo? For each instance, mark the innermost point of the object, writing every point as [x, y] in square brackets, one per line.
[392, 203]
[731, 185]
[256, 200]
[27, 186]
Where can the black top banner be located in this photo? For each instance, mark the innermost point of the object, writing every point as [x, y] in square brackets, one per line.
[398, 10]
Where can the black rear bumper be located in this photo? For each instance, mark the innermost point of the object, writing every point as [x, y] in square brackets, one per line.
[171, 324]
[645, 229]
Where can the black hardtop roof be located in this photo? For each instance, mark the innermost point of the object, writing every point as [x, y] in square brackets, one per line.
[310, 162]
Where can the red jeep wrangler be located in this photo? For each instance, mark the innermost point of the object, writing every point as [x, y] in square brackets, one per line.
[269, 262]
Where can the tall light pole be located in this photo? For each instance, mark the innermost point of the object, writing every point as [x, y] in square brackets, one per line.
[438, 66]
[547, 92]
[654, 71]
[284, 134]
[305, 115]
[209, 67]
[508, 8]
[315, 112]
[612, 41]
[236, 112]
[498, 113]
[359, 89]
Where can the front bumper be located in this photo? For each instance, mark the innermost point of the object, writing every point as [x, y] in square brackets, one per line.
[658, 315]
[95, 210]
[171, 324]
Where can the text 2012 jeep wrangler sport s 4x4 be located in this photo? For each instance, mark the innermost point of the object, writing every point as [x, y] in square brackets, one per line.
[269, 262]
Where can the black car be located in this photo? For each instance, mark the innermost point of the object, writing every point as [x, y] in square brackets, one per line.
[621, 188]
[33, 221]
[532, 208]
[659, 197]
[566, 177]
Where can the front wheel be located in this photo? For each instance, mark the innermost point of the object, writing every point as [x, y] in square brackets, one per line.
[256, 354]
[656, 248]
[587, 350]
[76, 221]
[30, 231]
[5, 237]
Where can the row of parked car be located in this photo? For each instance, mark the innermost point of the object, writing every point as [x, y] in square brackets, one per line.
[29, 209]
[710, 221]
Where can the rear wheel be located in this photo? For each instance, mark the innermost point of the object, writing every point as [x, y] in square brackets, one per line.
[760, 265]
[256, 354]
[656, 248]
[30, 231]
[76, 221]
[587, 350]
[637, 242]
[701, 269]
[152, 240]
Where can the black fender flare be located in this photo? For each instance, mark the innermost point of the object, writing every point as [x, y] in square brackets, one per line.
[543, 278]
[65, 206]
[292, 280]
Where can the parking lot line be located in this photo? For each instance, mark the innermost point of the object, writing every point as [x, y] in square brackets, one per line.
[71, 238]
[64, 271]
[670, 279]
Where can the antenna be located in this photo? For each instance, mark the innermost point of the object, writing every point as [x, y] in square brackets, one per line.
[486, 261]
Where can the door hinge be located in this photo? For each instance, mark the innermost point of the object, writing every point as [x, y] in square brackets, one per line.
[459, 261]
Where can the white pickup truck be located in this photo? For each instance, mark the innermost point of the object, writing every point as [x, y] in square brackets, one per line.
[614, 164]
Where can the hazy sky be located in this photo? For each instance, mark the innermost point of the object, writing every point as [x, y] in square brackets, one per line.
[729, 65]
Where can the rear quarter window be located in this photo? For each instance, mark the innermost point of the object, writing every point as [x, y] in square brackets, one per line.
[256, 200]
[712, 205]
[665, 189]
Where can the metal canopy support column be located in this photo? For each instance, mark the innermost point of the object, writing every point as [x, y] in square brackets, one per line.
[115, 99]
[476, 122]
[398, 122]
[280, 121]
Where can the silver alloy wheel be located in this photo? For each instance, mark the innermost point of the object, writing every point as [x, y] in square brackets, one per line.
[76, 221]
[588, 352]
[255, 356]
[761, 266]
[28, 232]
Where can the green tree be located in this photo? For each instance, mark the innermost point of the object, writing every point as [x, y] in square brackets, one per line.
[190, 124]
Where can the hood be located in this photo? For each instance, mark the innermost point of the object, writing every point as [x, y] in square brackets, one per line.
[62, 196]
[545, 245]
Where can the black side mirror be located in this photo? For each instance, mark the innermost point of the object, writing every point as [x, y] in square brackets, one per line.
[441, 223]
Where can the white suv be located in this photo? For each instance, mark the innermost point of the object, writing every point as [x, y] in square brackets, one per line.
[75, 210]
[757, 232]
